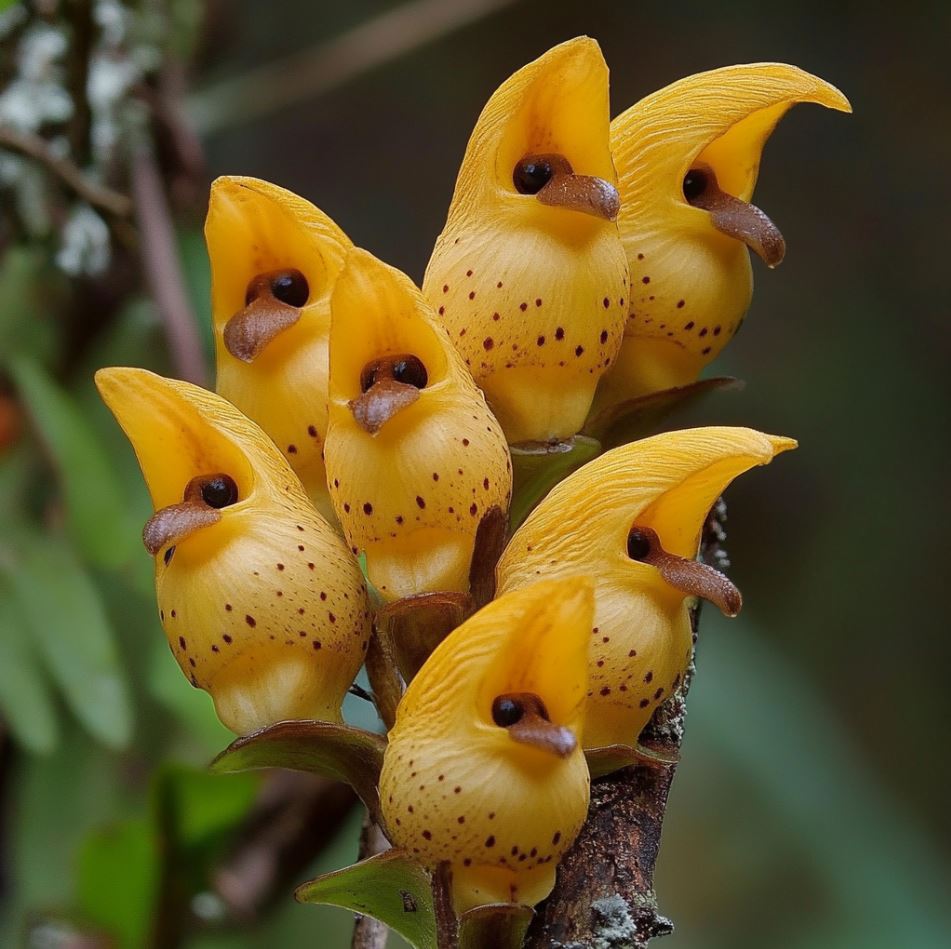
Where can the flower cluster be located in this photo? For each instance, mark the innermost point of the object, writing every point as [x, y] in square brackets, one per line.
[360, 422]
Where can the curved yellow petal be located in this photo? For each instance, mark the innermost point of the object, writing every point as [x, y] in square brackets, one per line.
[264, 607]
[455, 785]
[691, 283]
[255, 228]
[412, 490]
[641, 643]
[533, 293]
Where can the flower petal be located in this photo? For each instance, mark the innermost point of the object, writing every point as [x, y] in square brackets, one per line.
[411, 488]
[278, 376]
[455, 785]
[263, 605]
[532, 285]
[691, 283]
[641, 643]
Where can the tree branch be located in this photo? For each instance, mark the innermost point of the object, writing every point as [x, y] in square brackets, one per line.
[37, 148]
[162, 266]
[604, 895]
[316, 70]
[370, 933]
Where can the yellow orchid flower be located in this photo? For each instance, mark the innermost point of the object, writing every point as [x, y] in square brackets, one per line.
[631, 519]
[274, 261]
[484, 768]
[261, 601]
[687, 159]
[529, 274]
[415, 459]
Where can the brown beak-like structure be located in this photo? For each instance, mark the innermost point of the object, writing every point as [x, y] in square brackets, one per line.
[534, 727]
[740, 220]
[383, 393]
[175, 522]
[689, 576]
[583, 193]
[381, 402]
[264, 317]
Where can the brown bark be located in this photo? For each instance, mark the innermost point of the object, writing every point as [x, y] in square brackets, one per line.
[604, 895]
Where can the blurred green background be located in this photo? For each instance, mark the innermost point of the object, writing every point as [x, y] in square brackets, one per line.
[810, 808]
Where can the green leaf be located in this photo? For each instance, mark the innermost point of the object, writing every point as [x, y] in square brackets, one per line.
[390, 887]
[65, 617]
[499, 925]
[340, 752]
[538, 466]
[117, 879]
[94, 498]
[25, 701]
[638, 418]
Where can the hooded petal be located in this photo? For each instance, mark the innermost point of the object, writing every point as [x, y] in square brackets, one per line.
[641, 642]
[691, 283]
[455, 785]
[531, 288]
[411, 490]
[264, 607]
[255, 228]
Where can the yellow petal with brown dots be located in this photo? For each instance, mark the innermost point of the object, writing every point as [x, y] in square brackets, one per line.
[414, 457]
[691, 282]
[641, 641]
[272, 360]
[532, 284]
[458, 786]
[262, 603]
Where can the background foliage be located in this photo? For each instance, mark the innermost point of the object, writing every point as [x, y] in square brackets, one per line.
[810, 807]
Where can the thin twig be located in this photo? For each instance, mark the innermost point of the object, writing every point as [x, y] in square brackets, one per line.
[307, 74]
[294, 818]
[163, 269]
[37, 148]
[370, 933]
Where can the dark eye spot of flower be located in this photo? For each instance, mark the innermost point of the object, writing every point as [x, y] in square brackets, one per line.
[695, 183]
[531, 175]
[169, 553]
[290, 287]
[410, 371]
[638, 544]
[219, 491]
[506, 711]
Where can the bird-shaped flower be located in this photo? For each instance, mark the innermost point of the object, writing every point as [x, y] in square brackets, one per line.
[263, 605]
[415, 459]
[687, 159]
[484, 769]
[529, 274]
[632, 520]
[274, 261]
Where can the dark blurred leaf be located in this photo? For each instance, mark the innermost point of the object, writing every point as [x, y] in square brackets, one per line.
[28, 288]
[499, 925]
[94, 498]
[205, 805]
[25, 701]
[340, 752]
[390, 887]
[538, 466]
[117, 878]
[64, 615]
[637, 418]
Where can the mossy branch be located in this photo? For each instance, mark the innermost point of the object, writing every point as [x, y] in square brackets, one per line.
[604, 895]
